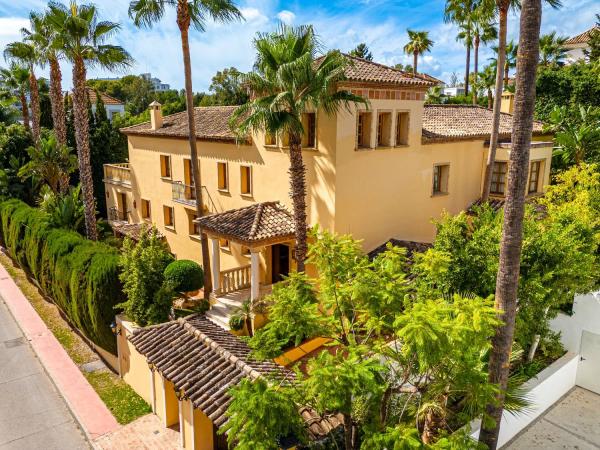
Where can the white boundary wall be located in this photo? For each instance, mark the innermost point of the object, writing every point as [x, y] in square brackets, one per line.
[586, 316]
[550, 385]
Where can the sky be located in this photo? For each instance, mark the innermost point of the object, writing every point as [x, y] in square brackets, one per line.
[340, 24]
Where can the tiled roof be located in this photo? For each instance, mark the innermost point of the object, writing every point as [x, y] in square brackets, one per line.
[212, 123]
[583, 37]
[106, 99]
[410, 246]
[464, 122]
[203, 361]
[497, 203]
[259, 223]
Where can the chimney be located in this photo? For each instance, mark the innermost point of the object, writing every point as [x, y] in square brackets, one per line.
[508, 102]
[156, 119]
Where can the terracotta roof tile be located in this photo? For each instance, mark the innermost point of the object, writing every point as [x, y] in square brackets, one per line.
[212, 123]
[106, 99]
[464, 122]
[259, 223]
[583, 37]
[410, 246]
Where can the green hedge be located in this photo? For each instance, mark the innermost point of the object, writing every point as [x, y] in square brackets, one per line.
[80, 275]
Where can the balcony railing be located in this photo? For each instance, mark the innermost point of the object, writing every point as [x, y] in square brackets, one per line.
[232, 280]
[117, 173]
[116, 215]
[186, 193]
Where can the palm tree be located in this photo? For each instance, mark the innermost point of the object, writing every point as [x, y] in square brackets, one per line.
[577, 134]
[44, 37]
[418, 43]
[286, 83]
[82, 39]
[434, 95]
[26, 55]
[189, 12]
[362, 51]
[484, 31]
[16, 79]
[510, 60]
[552, 51]
[460, 12]
[485, 81]
[512, 231]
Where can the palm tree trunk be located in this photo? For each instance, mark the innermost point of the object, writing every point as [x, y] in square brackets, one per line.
[512, 234]
[298, 194]
[24, 110]
[80, 113]
[415, 58]
[35, 106]
[475, 66]
[490, 99]
[183, 22]
[467, 69]
[506, 69]
[56, 99]
[497, 102]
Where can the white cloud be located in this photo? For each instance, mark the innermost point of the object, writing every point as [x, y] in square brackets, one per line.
[253, 15]
[286, 16]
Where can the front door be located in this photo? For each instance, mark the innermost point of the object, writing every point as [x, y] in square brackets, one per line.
[122, 206]
[589, 362]
[280, 262]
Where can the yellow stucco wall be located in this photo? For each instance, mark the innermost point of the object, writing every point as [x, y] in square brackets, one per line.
[133, 366]
[203, 431]
[187, 427]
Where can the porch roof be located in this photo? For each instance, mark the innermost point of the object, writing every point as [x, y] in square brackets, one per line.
[131, 230]
[264, 223]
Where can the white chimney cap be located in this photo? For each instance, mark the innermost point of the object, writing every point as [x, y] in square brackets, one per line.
[154, 103]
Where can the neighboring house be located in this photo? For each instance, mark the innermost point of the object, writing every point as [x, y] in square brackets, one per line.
[378, 173]
[577, 44]
[157, 84]
[454, 91]
[112, 105]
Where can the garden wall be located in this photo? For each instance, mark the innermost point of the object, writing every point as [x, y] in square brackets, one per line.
[586, 316]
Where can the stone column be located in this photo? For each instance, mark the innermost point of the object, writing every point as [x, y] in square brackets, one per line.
[215, 264]
[254, 274]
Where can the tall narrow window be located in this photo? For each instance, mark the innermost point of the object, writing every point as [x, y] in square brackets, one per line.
[534, 177]
[309, 122]
[169, 216]
[223, 176]
[441, 173]
[384, 128]
[402, 128]
[246, 180]
[188, 180]
[146, 209]
[363, 131]
[193, 228]
[498, 184]
[165, 166]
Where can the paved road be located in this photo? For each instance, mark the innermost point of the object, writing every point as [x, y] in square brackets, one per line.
[572, 423]
[32, 413]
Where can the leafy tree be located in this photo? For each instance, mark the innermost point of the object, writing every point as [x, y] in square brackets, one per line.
[65, 210]
[14, 140]
[184, 275]
[403, 67]
[434, 95]
[361, 51]
[287, 82]
[226, 89]
[418, 43]
[16, 79]
[143, 264]
[593, 53]
[552, 50]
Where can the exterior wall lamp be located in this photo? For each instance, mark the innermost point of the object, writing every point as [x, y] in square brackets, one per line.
[116, 329]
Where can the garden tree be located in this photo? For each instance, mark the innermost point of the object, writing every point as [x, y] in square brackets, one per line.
[485, 81]
[507, 281]
[403, 67]
[8, 112]
[44, 37]
[379, 386]
[434, 95]
[65, 210]
[27, 55]
[14, 140]
[552, 50]
[593, 54]
[189, 12]
[460, 12]
[184, 276]
[418, 43]
[143, 263]
[16, 79]
[83, 40]
[287, 82]
[484, 31]
[226, 89]
[576, 134]
[51, 163]
[242, 317]
[361, 51]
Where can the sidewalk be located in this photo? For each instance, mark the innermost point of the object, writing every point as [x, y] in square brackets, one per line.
[91, 413]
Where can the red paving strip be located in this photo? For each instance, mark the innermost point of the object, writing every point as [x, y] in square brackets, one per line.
[85, 404]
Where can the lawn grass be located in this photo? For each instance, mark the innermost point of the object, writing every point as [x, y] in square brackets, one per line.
[117, 395]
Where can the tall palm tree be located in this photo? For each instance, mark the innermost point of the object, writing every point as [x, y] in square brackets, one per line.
[287, 82]
[484, 31]
[510, 60]
[552, 50]
[82, 39]
[418, 43]
[26, 55]
[44, 37]
[512, 231]
[460, 12]
[16, 79]
[502, 7]
[189, 12]
[485, 81]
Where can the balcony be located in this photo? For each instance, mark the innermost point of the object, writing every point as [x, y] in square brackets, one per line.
[117, 174]
[186, 194]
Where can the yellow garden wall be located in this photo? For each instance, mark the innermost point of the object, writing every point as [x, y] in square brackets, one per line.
[133, 366]
[203, 431]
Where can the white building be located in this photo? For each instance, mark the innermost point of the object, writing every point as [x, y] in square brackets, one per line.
[577, 44]
[157, 85]
[112, 105]
[454, 91]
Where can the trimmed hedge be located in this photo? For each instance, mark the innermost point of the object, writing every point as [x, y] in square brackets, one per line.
[81, 276]
[184, 275]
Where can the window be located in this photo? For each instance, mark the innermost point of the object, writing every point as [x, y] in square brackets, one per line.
[246, 180]
[145, 209]
[169, 216]
[534, 177]
[498, 183]
[165, 166]
[193, 228]
[309, 122]
[224, 244]
[402, 128]
[270, 139]
[384, 129]
[440, 179]
[363, 131]
[223, 178]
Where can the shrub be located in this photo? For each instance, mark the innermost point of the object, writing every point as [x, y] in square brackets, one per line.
[236, 323]
[80, 275]
[185, 275]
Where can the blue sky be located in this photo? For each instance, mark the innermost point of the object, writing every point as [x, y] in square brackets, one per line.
[340, 24]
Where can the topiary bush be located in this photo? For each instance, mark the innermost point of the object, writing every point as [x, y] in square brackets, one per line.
[184, 275]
